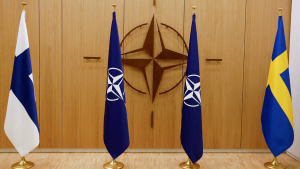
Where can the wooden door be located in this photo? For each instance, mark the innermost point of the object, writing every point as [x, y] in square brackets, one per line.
[220, 29]
[10, 15]
[86, 27]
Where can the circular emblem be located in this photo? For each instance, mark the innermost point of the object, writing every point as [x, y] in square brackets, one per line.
[115, 85]
[192, 95]
[158, 70]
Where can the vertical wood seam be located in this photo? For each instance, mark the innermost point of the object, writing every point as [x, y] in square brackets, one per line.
[182, 60]
[62, 74]
[39, 13]
[245, 28]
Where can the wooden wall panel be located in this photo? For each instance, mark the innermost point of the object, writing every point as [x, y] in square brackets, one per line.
[86, 32]
[220, 29]
[262, 19]
[51, 74]
[167, 107]
[139, 106]
[10, 15]
[70, 91]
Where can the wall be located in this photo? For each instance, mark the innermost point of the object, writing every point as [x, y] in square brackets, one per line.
[71, 90]
[294, 75]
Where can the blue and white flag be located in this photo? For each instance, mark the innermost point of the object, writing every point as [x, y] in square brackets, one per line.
[191, 123]
[116, 134]
[21, 123]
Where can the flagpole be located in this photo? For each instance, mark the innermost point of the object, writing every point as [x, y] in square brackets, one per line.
[189, 164]
[24, 5]
[113, 164]
[194, 8]
[114, 5]
[274, 164]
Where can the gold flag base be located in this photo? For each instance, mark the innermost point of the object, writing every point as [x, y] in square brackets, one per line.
[189, 165]
[23, 164]
[113, 165]
[274, 164]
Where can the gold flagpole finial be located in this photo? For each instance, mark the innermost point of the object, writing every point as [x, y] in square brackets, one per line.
[114, 5]
[194, 8]
[280, 11]
[24, 4]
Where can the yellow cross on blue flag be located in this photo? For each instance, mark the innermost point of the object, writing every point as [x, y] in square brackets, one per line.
[277, 113]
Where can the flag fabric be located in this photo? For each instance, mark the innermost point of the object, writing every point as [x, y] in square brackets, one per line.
[116, 134]
[191, 124]
[277, 113]
[21, 123]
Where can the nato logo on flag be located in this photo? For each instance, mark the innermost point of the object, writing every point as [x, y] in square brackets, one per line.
[192, 94]
[115, 83]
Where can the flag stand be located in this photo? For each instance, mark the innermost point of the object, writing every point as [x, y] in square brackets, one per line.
[274, 164]
[189, 165]
[113, 165]
[23, 164]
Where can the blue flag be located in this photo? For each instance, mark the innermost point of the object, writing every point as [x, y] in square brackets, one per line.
[277, 114]
[116, 135]
[191, 122]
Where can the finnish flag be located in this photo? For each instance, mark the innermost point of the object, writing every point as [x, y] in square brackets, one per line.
[21, 123]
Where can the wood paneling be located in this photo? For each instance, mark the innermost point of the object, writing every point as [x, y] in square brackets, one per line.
[139, 106]
[167, 107]
[86, 27]
[51, 74]
[10, 15]
[70, 93]
[262, 19]
[220, 29]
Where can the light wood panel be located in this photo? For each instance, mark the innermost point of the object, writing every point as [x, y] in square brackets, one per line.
[167, 107]
[70, 93]
[51, 74]
[10, 15]
[139, 106]
[148, 160]
[220, 29]
[86, 32]
[262, 20]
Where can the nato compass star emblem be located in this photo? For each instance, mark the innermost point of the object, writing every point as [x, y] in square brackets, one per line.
[192, 95]
[148, 48]
[114, 80]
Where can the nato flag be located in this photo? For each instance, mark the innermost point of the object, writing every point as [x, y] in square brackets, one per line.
[116, 135]
[191, 123]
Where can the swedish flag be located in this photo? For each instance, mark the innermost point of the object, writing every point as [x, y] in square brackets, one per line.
[277, 114]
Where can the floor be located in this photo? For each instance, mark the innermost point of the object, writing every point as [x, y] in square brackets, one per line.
[147, 160]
